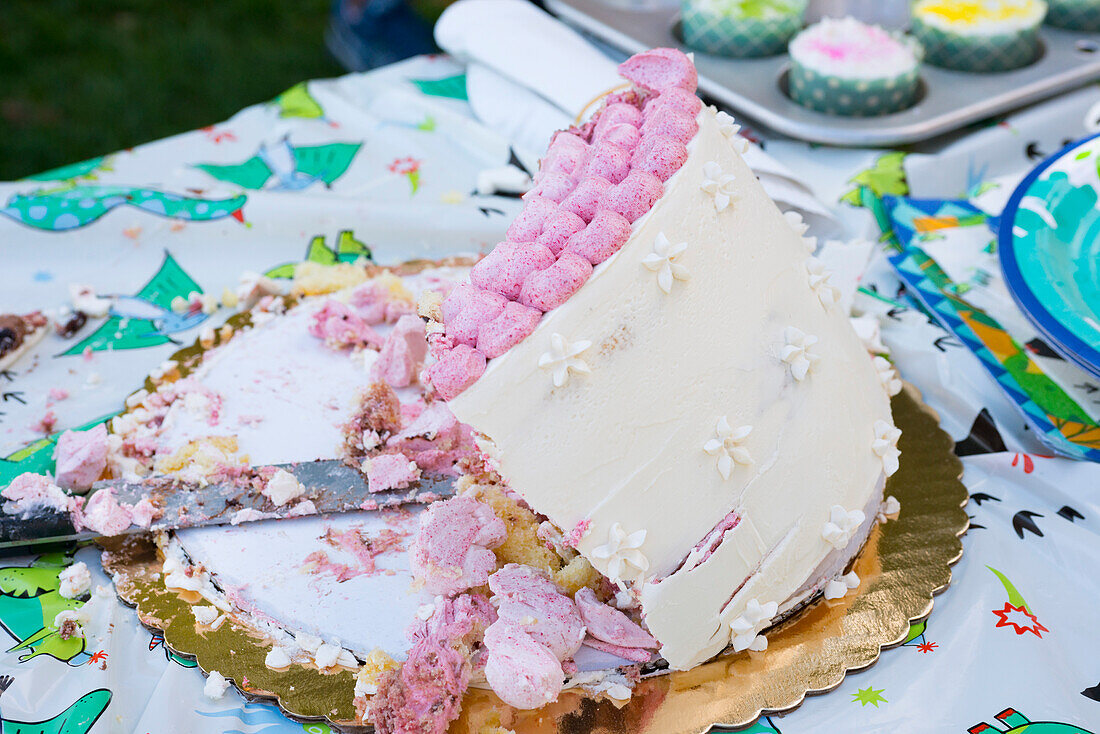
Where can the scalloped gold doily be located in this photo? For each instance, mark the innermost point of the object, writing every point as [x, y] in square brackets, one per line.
[904, 563]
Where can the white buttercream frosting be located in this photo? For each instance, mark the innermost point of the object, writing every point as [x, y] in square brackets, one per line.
[727, 445]
[719, 184]
[623, 443]
[665, 262]
[841, 526]
[564, 358]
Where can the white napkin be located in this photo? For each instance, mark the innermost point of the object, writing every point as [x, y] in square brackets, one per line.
[529, 75]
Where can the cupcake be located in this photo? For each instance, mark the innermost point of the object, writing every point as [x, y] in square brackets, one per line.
[1076, 15]
[979, 35]
[742, 28]
[845, 67]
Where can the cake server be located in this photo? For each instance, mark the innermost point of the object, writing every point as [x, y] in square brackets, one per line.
[331, 485]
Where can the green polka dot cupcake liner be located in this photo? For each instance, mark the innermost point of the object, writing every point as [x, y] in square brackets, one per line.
[835, 95]
[976, 53]
[1075, 15]
[714, 32]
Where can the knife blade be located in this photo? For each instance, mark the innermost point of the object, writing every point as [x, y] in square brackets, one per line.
[332, 486]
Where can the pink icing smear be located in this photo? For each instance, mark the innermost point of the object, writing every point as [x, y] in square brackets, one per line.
[594, 182]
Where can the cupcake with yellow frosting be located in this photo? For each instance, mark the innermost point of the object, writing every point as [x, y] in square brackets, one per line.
[979, 35]
[1076, 15]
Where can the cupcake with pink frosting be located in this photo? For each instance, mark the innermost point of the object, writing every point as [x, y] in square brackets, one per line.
[845, 67]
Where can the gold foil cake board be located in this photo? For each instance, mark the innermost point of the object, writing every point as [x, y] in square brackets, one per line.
[904, 563]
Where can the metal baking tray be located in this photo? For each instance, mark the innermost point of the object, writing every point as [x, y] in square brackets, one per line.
[756, 87]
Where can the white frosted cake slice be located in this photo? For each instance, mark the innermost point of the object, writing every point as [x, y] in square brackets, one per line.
[662, 381]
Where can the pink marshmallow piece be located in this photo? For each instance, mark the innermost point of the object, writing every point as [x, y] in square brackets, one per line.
[402, 353]
[675, 98]
[608, 161]
[452, 550]
[660, 155]
[634, 196]
[584, 201]
[81, 456]
[554, 186]
[512, 326]
[624, 135]
[609, 624]
[523, 673]
[481, 305]
[528, 223]
[390, 471]
[603, 237]
[456, 371]
[558, 229]
[548, 289]
[671, 123]
[504, 269]
[660, 69]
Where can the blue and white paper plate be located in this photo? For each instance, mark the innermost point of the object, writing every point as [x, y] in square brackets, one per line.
[1049, 245]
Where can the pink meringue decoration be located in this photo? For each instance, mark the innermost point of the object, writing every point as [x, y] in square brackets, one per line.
[660, 155]
[676, 98]
[527, 597]
[672, 123]
[103, 514]
[402, 353]
[566, 154]
[479, 307]
[456, 300]
[624, 135]
[390, 471]
[456, 371]
[608, 624]
[452, 549]
[81, 456]
[608, 161]
[523, 673]
[557, 230]
[528, 223]
[603, 237]
[634, 196]
[425, 695]
[616, 113]
[585, 199]
[553, 186]
[547, 289]
[503, 270]
[512, 326]
[340, 327]
[660, 69]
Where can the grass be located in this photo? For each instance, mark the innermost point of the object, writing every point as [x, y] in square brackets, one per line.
[83, 78]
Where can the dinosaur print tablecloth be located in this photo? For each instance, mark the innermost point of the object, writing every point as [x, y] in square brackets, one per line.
[385, 165]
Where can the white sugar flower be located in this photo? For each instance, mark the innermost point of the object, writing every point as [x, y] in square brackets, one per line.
[718, 184]
[890, 507]
[887, 375]
[726, 445]
[726, 124]
[797, 352]
[885, 446]
[819, 276]
[563, 358]
[841, 526]
[622, 554]
[840, 586]
[746, 628]
[664, 261]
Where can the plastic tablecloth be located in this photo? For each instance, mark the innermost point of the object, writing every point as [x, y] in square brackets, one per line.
[387, 162]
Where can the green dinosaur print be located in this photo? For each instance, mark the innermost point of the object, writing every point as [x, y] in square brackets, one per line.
[146, 319]
[286, 167]
[453, 87]
[78, 718]
[37, 456]
[71, 206]
[347, 250]
[887, 176]
[298, 102]
[29, 601]
[1017, 723]
[73, 171]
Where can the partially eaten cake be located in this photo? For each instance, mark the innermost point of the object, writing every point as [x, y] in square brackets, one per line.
[682, 438]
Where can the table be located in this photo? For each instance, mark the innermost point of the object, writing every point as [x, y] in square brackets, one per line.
[389, 160]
